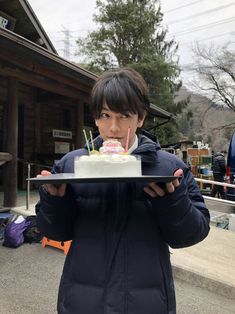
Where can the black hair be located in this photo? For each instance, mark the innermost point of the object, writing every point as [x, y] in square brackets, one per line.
[123, 91]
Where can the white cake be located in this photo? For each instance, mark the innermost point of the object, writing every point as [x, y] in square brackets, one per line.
[111, 161]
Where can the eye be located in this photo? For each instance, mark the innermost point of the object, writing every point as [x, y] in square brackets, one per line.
[104, 115]
[125, 116]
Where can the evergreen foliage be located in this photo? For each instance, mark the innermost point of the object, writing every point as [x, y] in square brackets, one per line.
[129, 33]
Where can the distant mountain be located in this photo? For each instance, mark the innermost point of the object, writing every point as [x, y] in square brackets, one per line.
[205, 120]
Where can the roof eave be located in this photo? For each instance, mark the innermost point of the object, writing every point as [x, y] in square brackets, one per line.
[38, 26]
[159, 112]
[42, 53]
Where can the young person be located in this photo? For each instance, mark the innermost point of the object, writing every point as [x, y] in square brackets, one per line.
[119, 260]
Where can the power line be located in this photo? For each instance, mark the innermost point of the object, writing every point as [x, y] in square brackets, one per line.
[208, 38]
[201, 13]
[202, 27]
[188, 67]
[192, 67]
[183, 6]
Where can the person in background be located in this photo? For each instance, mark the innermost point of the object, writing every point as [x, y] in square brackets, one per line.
[119, 259]
[219, 172]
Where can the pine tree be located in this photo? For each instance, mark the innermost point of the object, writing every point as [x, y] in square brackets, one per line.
[130, 34]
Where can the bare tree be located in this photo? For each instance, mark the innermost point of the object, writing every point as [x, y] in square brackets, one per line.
[216, 73]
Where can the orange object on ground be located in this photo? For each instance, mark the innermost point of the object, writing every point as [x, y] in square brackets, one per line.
[64, 246]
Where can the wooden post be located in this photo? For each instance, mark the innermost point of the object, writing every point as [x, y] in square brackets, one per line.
[37, 107]
[79, 124]
[10, 171]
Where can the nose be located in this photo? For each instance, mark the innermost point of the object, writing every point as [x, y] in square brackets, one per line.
[114, 126]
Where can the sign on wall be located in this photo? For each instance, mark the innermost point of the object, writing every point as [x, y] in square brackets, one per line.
[62, 134]
[62, 147]
[6, 21]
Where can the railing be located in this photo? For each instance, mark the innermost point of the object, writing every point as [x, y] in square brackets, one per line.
[217, 183]
[29, 164]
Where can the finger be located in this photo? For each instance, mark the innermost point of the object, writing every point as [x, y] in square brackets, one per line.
[150, 192]
[170, 186]
[50, 189]
[61, 190]
[45, 173]
[57, 186]
[175, 183]
[54, 190]
[177, 173]
[159, 191]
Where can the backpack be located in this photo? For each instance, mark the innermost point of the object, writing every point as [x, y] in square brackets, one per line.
[13, 233]
[4, 219]
[32, 233]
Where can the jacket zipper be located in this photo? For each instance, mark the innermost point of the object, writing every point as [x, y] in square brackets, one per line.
[125, 278]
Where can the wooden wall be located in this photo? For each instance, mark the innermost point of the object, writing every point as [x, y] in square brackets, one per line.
[37, 119]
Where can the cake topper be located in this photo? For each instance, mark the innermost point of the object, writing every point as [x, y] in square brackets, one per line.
[87, 143]
[127, 140]
[93, 151]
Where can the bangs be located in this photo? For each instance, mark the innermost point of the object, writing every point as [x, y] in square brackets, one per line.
[120, 94]
[120, 97]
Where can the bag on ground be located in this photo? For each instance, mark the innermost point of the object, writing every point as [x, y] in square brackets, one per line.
[32, 234]
[13, 233]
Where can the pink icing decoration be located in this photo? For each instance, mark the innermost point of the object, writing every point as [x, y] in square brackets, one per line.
[111, 147]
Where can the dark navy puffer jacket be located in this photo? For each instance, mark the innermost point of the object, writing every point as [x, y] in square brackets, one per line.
[219, 164]
[119, 260]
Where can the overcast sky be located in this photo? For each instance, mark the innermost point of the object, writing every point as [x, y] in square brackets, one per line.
[206, 21]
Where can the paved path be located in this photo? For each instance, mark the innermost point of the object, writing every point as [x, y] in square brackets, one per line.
[209, 264]
[204, 273]
[30, 277]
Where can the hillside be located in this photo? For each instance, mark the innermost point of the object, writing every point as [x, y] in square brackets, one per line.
[204, 120]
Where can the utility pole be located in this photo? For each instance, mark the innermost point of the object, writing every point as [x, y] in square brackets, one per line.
[67, 43]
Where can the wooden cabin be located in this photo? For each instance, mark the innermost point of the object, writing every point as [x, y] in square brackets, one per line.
[43, 98]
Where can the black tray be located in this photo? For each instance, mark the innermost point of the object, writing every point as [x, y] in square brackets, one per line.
[60, 178]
